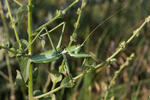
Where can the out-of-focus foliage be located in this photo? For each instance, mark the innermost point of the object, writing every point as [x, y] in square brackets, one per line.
[134, 81]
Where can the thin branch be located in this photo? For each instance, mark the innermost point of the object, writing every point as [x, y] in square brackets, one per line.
[17, 2]
[112, 82]
[50, 92]
[12, 97]
[4, 76]
[30, 81]
[13, 24]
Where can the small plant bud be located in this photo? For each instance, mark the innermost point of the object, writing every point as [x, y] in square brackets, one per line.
[147, 19]
[74, 37]
[63, 12]
[75, 25]
[136, 32]
[78, 11]
[113, 60]
[58, 12]
[122, 44]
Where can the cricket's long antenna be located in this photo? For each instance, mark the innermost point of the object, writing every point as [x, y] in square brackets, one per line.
[101, 25]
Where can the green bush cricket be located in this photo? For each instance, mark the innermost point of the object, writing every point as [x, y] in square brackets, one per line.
[56, 52]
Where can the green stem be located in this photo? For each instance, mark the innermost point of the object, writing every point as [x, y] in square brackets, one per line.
[50, 21]
[4, 76]
[112, 82]
[13, 24]
[48, 93]
[4, 21]
[54, 84]
[12, 97]
[72, 4]
[74, 34]
[30, 84]
[17, 2]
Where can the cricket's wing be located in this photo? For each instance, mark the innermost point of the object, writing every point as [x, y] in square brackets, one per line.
[46, 57]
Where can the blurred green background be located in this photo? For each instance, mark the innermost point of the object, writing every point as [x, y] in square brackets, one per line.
[133, 82]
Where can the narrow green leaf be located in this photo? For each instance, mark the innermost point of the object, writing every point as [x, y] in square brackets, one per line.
[39, 92]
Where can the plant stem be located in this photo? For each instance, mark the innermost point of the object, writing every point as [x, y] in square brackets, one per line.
[4, 21]
[17, 2]
[112, 82]
[74, 34]
[48, 93]
[4, 76]
[50, 21]
[30, 86]
[54, 84]
[13, 24]
[12, 97]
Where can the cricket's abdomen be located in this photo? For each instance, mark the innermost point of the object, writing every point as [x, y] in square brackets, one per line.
[46, 57]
